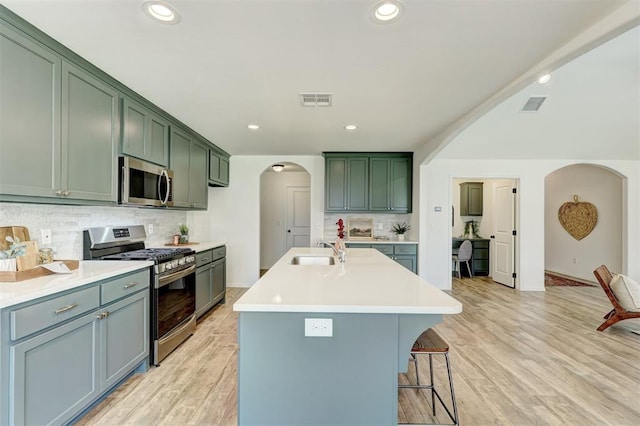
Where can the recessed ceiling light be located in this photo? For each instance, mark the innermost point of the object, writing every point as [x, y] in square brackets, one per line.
[278, 167]
[351, 127]
[253, 126]
[161, 12]
[386, 11]
[544, 79]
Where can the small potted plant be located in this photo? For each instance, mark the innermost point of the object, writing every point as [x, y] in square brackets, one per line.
[400, 229]
[184, 233]
[8, 257]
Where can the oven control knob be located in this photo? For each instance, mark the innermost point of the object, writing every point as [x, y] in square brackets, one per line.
[167, 266]
[181, 261]
[191, 259]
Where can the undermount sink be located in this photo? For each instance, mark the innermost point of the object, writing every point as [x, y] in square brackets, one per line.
[313, 260]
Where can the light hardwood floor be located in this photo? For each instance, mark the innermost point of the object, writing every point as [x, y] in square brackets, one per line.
[517, 358]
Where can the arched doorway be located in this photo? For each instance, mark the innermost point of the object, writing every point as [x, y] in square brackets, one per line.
[602, 187]
[285, 216]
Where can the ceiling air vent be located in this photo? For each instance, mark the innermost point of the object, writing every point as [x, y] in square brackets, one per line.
[533, 104]
[316, 99]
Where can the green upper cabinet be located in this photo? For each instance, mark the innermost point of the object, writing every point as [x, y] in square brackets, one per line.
[145, 135]
[346, 183]
[30, 117]
[471, 198]
[390, 184]
[218, 168]
[189, 165]
[362, 182]
[48, 126]
[198, 188]
[335, 187]
[87, 101]
[63, 123]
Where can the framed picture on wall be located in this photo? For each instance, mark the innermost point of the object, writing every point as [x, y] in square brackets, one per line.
[360, 229]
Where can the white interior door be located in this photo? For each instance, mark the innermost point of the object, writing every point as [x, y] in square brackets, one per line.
[503, 250]
[298, 216]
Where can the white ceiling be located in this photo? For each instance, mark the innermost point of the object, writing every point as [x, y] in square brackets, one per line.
[592, 111]
[234, 62]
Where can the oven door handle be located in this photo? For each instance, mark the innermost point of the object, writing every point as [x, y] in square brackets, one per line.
[169, 278]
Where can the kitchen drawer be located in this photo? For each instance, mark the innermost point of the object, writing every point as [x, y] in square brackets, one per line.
[30, 319]
[383, 248]
[405, 248]
[124, 286]
[356, 245]
[204, 257]
[219, 252]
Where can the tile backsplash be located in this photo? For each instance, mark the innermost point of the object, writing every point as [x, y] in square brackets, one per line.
[386, 220]
[67, 223]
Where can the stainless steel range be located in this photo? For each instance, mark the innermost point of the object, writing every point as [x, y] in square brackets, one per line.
[173, 296]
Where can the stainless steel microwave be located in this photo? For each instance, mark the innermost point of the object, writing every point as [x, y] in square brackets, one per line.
[144, 184]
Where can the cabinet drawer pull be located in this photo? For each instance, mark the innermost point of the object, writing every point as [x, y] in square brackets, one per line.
[205, 259]
[126, 286]
[65, 309]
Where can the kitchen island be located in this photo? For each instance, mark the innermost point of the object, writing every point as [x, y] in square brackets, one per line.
[374, 310]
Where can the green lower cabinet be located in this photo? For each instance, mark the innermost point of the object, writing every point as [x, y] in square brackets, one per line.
[203, 290]
[408, 262]
[51, 372]
[55, 374]
[124, 337]
[480, 256]
[211, 279]
[404, 254]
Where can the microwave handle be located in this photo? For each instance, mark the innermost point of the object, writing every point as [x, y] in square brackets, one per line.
[166, 177]
[124, 190]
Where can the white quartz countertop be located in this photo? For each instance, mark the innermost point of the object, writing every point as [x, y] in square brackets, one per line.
[201, 246]
[368, 282]
[89, 271]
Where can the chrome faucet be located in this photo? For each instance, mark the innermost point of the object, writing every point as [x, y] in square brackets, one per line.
[340, 253]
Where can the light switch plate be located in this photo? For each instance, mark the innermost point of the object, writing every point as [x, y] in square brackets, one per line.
[45, 236]
[318, 327]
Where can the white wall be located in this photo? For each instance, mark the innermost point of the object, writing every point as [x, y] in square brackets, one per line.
[603, 189]
[234, 212]
[435, 227]
[273, 217]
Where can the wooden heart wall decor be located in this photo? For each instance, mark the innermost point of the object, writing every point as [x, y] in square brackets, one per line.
[578, 218]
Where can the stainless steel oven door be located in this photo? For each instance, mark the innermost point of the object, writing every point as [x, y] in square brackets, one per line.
[173, 312]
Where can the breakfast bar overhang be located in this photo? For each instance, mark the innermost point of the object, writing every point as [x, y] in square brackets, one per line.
[376, 308]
